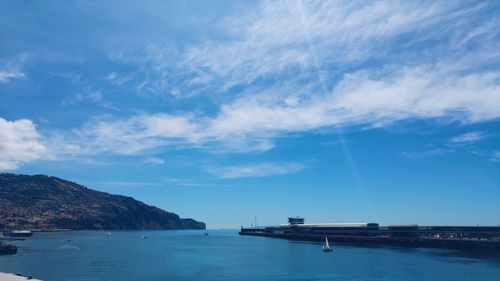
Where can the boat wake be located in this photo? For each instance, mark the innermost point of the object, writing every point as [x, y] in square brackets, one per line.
[69, 247]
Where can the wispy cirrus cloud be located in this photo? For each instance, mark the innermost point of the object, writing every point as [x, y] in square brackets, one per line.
[467, 138]
[7, 75]
[254, 121]
[11, 69]
[154, 161]
[160, 183]
[280, 36]
[307, 65]
[256, 170]
[427, 152]
[135, 135]
[292, 67]
[459, 143]
[495, 156]
[91, 96]
[315, 42]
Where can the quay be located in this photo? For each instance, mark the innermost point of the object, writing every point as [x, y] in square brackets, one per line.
[480, 237]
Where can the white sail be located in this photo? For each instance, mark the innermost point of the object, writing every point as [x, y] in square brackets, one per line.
[326, 245]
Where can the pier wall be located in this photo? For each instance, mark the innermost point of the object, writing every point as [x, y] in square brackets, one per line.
[410, 236]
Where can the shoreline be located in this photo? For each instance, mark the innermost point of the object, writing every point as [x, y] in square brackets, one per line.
[14, 277]
[52, 230]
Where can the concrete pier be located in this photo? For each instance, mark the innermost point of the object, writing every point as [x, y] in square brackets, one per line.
[477, 237]
[14, 277]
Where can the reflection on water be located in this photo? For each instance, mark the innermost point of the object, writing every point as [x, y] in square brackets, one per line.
[473, 255]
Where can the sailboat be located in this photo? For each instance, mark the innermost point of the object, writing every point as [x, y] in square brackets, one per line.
[326, 246]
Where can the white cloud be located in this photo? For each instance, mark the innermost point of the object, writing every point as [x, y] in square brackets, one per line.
[310, 65]
[427, 153]
[156, 70]
[111, 76]
[314, 52]
[495, 156]
[94, 96]
[91, 96]
[467, 138]
[421, 92]
[154, 161]
[19, 143]
[256, 170]
[135, 135]
[309, 37]
[306, 38]
[319, 64]
[123, 183]
[253, 121]
[7, 75]
[116, 79]
[11, 69]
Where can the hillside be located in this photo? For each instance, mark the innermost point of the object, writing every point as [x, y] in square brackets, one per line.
[34, 202]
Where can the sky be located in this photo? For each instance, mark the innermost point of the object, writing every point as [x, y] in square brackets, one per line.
[231, 111]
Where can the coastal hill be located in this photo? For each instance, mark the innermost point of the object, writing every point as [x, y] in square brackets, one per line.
[43, 202]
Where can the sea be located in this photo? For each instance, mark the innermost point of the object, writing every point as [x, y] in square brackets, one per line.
[224, 255]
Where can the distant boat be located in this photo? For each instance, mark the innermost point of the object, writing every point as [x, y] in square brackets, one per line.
[206, 233]
[7, 249]
[21, 233]
[3, 238]
[109, 233]
[326, 246]
[143, 237]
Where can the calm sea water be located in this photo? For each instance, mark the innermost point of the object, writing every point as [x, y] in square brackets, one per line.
[224, 255]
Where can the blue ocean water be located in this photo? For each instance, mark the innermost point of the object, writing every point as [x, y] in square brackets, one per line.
[224, 255]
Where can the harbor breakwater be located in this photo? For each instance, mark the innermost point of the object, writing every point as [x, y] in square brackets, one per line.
[479, 237]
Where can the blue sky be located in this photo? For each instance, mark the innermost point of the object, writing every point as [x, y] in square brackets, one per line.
[225, 110]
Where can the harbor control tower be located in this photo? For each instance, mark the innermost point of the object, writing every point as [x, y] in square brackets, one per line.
[295, 221]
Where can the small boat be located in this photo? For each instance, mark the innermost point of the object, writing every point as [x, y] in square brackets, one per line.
[12, 239]
[143, 237]
[326, 246]
[21, 233]
[4, 238]
[7, 249]
[206, 233]
[109, 233]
